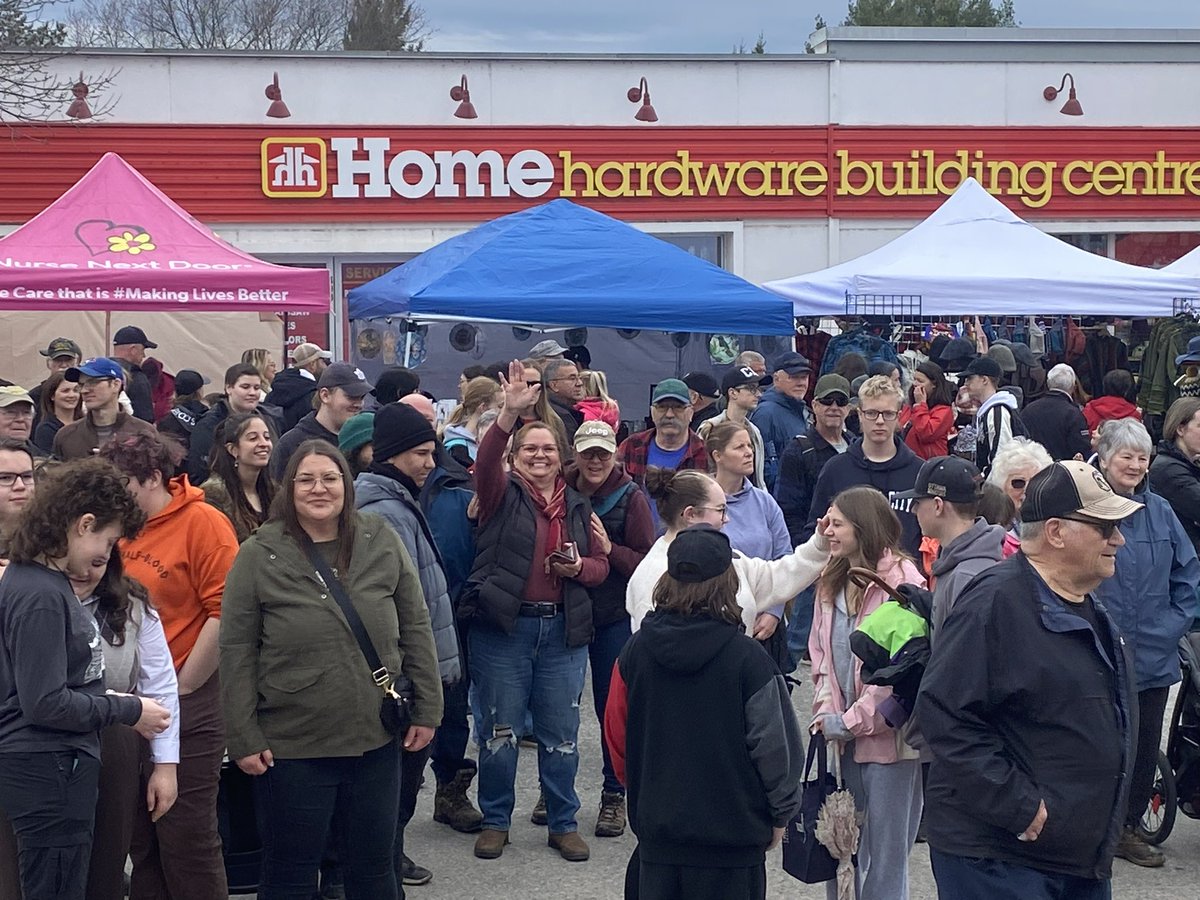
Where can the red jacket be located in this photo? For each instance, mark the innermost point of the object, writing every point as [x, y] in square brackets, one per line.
[1103, 409]
[928, 429]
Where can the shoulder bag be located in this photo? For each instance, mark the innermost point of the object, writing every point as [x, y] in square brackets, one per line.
[804, 857]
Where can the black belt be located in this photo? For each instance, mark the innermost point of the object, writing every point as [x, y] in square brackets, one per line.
[541, 610]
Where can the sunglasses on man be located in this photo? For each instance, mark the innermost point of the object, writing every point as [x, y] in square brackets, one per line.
[834, 400]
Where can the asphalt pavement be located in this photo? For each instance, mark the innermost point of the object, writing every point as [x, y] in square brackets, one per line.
[530, 869]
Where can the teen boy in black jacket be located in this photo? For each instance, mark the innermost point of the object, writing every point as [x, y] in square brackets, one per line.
[702, 732]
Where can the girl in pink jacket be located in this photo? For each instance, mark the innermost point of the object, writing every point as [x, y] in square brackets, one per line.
[882, 772]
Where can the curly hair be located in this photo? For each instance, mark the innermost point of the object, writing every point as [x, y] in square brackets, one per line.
[74, 489]
[141, 455]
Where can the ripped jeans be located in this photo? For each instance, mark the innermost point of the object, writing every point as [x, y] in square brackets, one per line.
[531, 670]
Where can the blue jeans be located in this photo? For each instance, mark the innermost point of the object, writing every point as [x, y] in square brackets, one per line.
[529, 671]
[964, 878]
[800, 624]
[301, 798]
[603, 652]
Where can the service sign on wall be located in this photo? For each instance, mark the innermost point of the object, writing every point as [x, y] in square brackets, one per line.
[317, 174]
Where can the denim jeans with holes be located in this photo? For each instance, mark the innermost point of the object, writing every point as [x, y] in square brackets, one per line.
[529, 671]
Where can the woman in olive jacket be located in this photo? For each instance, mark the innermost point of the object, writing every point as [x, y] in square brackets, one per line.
[301, 707]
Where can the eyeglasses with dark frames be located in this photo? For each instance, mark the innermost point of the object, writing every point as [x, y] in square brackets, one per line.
[1106, 529]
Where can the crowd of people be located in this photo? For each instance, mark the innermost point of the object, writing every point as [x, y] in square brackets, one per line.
[310, 576]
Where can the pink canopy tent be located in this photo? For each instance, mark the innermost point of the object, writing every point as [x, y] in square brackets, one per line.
[116, 242]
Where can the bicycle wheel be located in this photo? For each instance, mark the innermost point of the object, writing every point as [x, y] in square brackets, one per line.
[1159, 818]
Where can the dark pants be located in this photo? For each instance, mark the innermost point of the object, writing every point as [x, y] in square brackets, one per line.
[179, 856]
[300, 798]
[603, 651]
[116, 806]
[964, 878]
[50, 798]
[412, 769]
[1152, 704]
[449, 745]
[662, 882]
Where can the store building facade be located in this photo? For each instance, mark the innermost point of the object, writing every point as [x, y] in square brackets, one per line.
[766, 165]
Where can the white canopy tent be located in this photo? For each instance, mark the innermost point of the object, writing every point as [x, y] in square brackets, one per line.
[1188, 264]
[973, 255]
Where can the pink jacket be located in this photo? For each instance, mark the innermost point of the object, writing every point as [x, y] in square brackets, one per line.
[874, 740]
[593, 408]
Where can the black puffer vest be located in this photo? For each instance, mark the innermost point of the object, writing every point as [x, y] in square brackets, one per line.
[504, 555]
[608, 599]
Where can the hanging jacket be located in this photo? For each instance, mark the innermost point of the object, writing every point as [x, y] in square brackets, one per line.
[1176, 479]
[874, 740]
[388, 498]
[858, 340]
[852, 468]
[779, 418]
[1152, 597]
[1105, 409]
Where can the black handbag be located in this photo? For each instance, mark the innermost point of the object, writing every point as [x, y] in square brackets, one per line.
[804, 857]
[395, 711]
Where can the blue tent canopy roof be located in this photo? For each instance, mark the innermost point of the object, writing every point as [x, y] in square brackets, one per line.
[565, 264]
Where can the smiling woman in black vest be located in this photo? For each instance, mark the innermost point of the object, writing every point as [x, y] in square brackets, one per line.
[531, 618]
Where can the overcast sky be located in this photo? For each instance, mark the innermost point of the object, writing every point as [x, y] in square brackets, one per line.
[707, 26]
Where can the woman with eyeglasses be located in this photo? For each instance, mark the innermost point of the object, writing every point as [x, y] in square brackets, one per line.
[1152, 599]
[881, 770]
[530, 617]
[17, 475]
[755, 526]
[1015, 463]
[687, 497]
[302, 705]
[927, 420]
[624, 530]
[182, 555]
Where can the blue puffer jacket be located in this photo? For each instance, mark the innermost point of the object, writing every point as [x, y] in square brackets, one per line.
[389, 498]
[445, 499]
[779, 418]
[1152, 596]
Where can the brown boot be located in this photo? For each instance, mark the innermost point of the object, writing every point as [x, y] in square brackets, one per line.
[611, 820]
[490, 843]
[452, 807]
[538, 816]
[570, 846]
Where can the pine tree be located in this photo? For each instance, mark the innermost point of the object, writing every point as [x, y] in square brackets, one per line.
[385, 25]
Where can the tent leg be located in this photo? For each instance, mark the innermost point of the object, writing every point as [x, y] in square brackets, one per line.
[107, 329]
[407, 348]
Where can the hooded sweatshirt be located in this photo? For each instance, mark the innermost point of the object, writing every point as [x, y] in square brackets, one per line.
[1105, 409]
[979, 547]
[852, 469]
[992, 438]
[780, 418]
[182, 557]
[292, 392]
[699, 720]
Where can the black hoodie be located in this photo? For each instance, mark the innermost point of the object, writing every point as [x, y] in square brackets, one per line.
[702, 731]
[852, 468]
[292, 391]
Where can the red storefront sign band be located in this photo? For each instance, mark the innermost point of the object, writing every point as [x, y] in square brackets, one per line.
[319, 174]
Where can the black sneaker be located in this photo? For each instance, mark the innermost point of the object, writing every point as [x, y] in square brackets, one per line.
[414, 875]
[1133, 848]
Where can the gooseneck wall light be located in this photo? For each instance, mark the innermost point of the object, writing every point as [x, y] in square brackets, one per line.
[1071, 107]
[462, 94]
[278, 109]
[641, 94]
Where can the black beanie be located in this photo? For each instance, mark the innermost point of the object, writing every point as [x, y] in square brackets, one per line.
[698, 554]
[394, 383]
[399, 427]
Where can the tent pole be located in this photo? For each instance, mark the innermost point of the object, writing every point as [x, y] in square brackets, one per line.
[407, 347]
[107, 328]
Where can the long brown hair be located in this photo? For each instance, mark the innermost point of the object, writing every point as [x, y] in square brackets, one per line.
[222, 464]
[715, 598]
[115, 593]
[284, 507]
[877, 530]
[49, 389]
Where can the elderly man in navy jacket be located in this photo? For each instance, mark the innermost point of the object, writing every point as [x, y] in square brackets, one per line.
[1028, 708]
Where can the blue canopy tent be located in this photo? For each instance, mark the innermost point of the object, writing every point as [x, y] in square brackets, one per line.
[564, 264]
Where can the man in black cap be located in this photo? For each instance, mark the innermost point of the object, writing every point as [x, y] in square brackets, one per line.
[340, 393]
[705, 393]
[782, 413]
[1028, 707]
[946, 503]
[394, 383]
[741, 388]
[129, 349]
[61, 354]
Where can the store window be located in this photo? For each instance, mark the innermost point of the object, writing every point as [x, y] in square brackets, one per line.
[1093, 242]
[1155, 248]
[706, 246]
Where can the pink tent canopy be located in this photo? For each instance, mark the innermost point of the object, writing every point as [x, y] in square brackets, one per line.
[116, 242]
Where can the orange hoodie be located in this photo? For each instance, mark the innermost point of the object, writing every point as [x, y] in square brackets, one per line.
[182, 557]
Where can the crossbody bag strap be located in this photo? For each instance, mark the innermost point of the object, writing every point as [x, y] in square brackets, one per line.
[379, 671]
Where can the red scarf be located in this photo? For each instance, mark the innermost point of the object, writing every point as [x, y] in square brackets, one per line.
[554, 510]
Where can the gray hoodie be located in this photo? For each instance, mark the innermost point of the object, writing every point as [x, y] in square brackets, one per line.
[978, 548]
